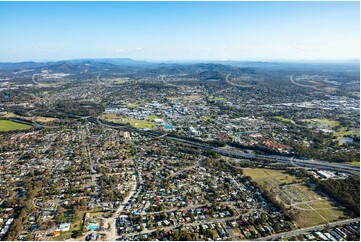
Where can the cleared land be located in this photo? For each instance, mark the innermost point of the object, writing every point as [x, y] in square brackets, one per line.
[310, 207]
[215, 99]
[283, 119]
[322, 123]
[7, 125]
[191, 97]
[264, 176]
[37, 119]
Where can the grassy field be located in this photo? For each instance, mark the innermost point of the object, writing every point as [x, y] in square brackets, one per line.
[323, 123]
[142, 124]
[339, 132]
[152, 117]
[191, 97]
[215, 99]
[205, 118]
[342, 132]
[37, 119]
[317, 212]
[308, 218]
[311, 208]
[283, 119]
[7, 125]
[133, 105]
[262, 175]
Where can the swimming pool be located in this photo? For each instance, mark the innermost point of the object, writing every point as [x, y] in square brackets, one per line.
[93, 226]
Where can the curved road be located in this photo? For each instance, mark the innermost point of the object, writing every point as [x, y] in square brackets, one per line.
[233, 84]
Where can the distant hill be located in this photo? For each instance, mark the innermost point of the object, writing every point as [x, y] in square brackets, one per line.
[203, 71]
[212, 70]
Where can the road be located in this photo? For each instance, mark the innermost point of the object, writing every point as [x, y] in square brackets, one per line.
[167, 83]
[233, 84]
[309, 229]
[222, 220]
[33, 79]
[290, 161]
[230, 231]
[98, 77]
[307, 163]
[185, 169]
[113, 230]
[302, 85]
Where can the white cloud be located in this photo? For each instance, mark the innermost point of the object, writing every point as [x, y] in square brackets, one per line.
[128, 50]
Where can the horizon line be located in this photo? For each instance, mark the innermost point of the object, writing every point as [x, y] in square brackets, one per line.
[184, 60]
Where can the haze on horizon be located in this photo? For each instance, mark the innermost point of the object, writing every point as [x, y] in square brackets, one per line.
[179, 30]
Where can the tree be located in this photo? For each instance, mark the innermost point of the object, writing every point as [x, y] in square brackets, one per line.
[76, 233]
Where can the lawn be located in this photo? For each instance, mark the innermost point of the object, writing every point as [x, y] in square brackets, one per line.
[237, 233]
[283, 119]
[77, 225]
[7, 125]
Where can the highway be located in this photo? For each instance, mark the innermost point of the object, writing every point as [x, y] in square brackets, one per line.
[302, 85]
[233, 84]
[309, 229]
[290, 161]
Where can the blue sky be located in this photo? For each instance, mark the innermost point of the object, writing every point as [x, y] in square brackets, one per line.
[179, 30]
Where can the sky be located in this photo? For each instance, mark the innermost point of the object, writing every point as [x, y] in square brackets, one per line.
[163, 31]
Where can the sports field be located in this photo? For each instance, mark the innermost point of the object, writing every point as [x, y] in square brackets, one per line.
[7, 125]
[142, 124]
